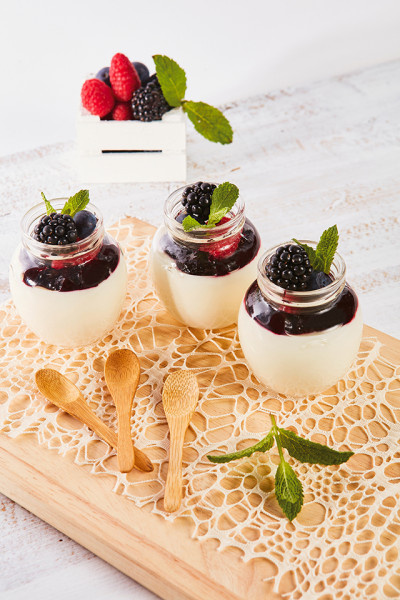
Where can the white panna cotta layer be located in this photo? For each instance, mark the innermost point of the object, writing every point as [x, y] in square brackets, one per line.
[299, 365]
[201, 301]
[74, 318]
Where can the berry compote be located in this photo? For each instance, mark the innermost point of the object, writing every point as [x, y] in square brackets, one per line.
[68, 294]
[202, 274]
[296, 341]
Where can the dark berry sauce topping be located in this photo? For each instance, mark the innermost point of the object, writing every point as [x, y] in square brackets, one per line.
[72, 277]
[214, 262]
[340, 312]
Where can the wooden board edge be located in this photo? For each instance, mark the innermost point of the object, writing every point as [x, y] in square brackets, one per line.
[77, 511]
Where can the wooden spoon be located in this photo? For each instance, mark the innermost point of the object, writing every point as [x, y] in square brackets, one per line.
[63, 393]
[180, 396]
[122, 372]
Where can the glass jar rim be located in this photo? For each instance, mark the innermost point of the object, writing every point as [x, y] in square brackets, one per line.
[203, 236]
[56, 252]
[301, 299]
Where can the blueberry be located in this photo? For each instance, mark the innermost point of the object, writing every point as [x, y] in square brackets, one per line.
[181, 216]
[319, 279]
[104, 75]
[85, 222]
[142, 71]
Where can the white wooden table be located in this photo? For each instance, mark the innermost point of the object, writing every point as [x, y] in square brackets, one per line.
[304, 159]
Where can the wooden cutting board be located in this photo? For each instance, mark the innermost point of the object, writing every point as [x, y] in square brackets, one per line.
[161, 555]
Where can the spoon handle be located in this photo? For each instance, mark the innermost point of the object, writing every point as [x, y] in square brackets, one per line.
[125, 453]
[173, 486]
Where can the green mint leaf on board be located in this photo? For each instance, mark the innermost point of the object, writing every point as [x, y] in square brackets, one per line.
[209, 121]
[287, 485]
[49, 208]
[76, 203]
[172, 79]
[189, 223]
[327, 247]
[222, 201]
[263, 446]
[291, 509]
[321, 258]
[310, 452]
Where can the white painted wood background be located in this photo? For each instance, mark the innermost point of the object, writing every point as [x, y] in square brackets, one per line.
[304, 159]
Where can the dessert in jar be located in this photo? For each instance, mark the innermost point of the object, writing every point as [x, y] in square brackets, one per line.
[68, 277]
[205, 255]
[300, 327]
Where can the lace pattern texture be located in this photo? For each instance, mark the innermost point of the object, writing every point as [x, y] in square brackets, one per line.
[345, 542]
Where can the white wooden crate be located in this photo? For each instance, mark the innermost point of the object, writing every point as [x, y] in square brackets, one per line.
[131, 151]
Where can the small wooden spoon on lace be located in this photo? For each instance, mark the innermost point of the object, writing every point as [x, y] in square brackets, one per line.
[180, 396]
[122, 373]
[59, 390]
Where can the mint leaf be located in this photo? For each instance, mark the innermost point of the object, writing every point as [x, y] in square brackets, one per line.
[263, 446]
[49, 208]
[310, 452]
[321, 258]
[76, 203]
[209, 121]
[291, 509]
[327, 247]
[288, 490]
[172, 79]
[222, 201]
[312, 255]
[189, 223]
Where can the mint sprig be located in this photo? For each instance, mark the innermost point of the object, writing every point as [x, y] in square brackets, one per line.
[222, 201]
[207, 120]
[73, 205]
[321, 258]
[49, 208]
[288, 488]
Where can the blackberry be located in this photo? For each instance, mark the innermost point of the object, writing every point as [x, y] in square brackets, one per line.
[196, 199]
[290, 268]
[55, 229]
[148, 102]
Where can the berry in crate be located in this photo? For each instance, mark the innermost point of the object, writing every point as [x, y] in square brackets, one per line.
[125, 91]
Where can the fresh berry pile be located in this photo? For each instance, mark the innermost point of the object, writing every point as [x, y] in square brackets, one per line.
[197, 200]
[290, 268]
[124, 92]
[148, 102]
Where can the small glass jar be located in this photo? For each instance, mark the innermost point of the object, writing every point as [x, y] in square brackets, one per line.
[300, 342]
[68, 295]
[201, 275]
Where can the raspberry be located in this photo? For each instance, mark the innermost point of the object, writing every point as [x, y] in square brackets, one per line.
[97, 97]
[122, 111]
[123, 77]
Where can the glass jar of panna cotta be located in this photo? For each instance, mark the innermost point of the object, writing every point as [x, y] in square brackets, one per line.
[202, 274]
[68, 295]
[300, 342]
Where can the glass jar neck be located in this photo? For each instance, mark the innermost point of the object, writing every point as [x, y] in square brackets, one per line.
[307, 301]
[173, 208]
[77, 250]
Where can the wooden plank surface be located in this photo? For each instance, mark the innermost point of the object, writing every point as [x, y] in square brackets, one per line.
[301, 156]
